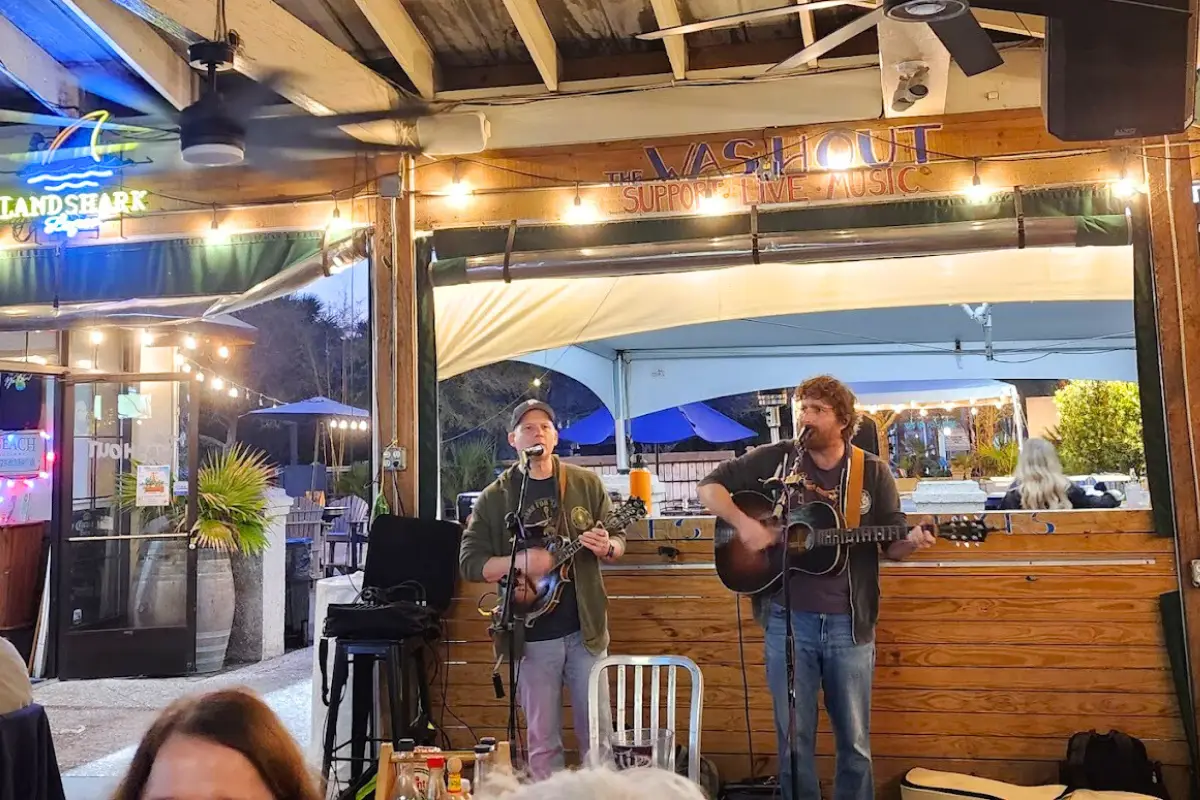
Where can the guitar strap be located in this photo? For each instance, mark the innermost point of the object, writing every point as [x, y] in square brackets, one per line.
[562, 499]
[852, 499]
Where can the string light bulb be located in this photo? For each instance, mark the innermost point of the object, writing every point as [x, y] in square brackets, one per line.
[712, 205]
[218, 384]
[977, 192]
[581, 213]
[458, 192]
[200, 377]
[1123, 187]
[96, 337]
[233, 392]
[147, 338]
[189, 342]
[223, 352]
[185, 367]
[214, 234]
[336, 224]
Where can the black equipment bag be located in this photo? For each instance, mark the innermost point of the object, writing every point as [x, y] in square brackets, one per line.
[1112, 762]
[383, 615]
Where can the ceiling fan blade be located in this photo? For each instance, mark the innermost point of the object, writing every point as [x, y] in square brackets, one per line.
[738, 19]
[287, 122]
[968, 43]
[830, 42]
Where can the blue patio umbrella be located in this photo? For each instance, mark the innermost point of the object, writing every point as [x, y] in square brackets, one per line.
[661, 427]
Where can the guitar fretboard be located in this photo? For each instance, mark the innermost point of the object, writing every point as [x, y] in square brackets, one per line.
[618, 519]
[879, 533]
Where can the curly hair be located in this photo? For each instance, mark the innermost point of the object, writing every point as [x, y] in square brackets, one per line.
[234, 718]
[837, 394]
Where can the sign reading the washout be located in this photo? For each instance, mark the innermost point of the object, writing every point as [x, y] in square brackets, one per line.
[837, 164]
[66, 182]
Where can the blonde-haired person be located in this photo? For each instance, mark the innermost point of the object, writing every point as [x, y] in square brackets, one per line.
[1039, 483]
[595, 783]
[225, 745]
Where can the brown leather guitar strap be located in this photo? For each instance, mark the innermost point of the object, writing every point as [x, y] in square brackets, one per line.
[852, 502]
[562, 496]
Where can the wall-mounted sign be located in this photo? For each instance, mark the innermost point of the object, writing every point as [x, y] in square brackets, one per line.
[74, 211]
[66, 191]
[22, 454]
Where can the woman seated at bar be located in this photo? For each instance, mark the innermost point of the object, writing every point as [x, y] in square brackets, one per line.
[1041, 485]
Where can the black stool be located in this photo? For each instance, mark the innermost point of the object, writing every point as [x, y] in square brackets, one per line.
[401, 658]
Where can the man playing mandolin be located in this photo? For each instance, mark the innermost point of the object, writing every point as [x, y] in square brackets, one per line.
[561, 500]
[833, 614]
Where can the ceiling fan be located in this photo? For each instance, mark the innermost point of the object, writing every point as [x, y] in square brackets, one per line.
[227, 122]
[950, 20]
[239, 121]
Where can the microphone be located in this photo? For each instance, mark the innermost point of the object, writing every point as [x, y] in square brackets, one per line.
[805, 433]
[535, 450]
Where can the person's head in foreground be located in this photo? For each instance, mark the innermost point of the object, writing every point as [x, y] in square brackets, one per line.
[226, 745]
[594, 784]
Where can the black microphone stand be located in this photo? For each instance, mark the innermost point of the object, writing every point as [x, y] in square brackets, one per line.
[790, 637]
[508, 623]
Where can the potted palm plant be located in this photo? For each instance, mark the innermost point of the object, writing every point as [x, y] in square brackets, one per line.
[231, 518]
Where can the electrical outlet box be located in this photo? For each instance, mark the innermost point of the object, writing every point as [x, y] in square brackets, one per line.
[395, 458]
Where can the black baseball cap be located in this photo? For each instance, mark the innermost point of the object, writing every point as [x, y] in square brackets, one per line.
[527, 406]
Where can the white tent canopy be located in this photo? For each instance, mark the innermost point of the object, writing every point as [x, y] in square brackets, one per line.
[647, 342]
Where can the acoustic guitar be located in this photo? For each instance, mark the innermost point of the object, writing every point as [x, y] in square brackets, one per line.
[534, 599]
[816, 542]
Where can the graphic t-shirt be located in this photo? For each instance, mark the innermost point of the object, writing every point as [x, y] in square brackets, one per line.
[818, 594]
[540, 518]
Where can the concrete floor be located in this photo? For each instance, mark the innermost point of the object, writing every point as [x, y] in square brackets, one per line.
[97, 724]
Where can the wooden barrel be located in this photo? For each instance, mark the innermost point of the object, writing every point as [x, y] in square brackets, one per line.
[159, 597]
[214, 609]
[20, 574]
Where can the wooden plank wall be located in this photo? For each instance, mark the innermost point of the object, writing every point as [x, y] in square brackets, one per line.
[988, 658]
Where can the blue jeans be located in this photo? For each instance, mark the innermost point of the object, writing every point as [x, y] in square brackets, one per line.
[826, 657]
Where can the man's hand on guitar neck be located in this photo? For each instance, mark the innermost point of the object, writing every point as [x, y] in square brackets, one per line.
[599, 542]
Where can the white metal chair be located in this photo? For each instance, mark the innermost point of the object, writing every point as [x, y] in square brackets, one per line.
[655, 664]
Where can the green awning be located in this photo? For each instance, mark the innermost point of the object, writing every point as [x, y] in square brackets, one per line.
[179, 268]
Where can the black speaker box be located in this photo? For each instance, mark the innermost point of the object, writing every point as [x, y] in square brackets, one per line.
[1120, 71]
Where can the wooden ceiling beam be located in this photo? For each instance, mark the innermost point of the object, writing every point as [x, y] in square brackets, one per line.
[538, 39]
[30, 67]
[1012, 22]
[322, 79]
[141, 48]
[405, 42]
[666, 13]
[808, 30]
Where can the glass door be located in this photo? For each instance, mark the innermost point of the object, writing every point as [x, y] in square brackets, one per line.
[127, 583]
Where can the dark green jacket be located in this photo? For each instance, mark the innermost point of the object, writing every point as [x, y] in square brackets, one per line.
[585, 499]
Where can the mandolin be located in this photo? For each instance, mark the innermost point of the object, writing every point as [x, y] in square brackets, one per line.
[535, 599]
[817, 542]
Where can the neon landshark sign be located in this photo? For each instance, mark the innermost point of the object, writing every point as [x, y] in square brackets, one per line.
[68, 198]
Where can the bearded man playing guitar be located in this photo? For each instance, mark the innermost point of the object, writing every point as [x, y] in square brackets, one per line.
[562, 644]
[833, 614]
